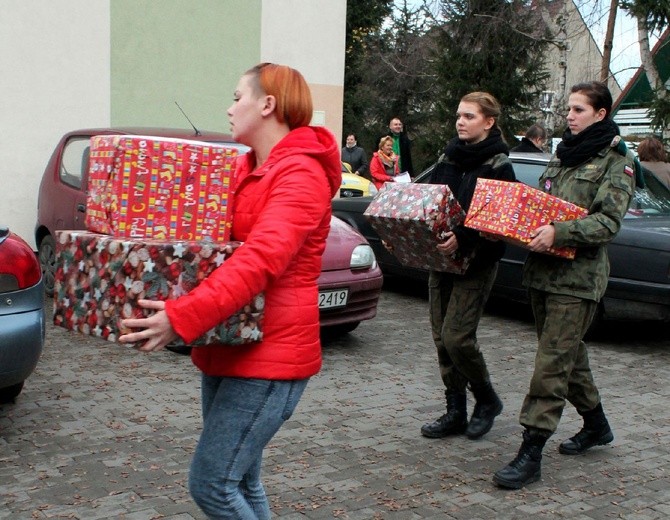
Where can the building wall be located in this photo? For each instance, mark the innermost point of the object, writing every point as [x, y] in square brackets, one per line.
[81, 63]
[582, 63]
[318, 52]
[55, 77]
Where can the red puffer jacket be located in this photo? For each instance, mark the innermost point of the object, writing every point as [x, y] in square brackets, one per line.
[282, 214]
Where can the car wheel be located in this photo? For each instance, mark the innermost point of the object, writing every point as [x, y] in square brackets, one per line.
[9, 393]
[47, 258]
[184, 351]
[340, 330]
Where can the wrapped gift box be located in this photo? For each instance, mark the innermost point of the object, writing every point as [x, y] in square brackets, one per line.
[152, 187]
[413, 219]
[99, 279]
[514, 210]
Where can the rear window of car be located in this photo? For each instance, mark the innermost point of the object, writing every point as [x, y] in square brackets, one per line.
[74, 161]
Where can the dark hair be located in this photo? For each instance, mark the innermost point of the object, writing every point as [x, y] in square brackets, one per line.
[597, 93]
[350, 133]
[536, 131]
[651, 149]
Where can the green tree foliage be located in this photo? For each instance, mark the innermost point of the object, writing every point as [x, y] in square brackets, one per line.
[496, 46]
[652, 16]
[393, 78]
[417, 61]
[364, 25]
[655, 12]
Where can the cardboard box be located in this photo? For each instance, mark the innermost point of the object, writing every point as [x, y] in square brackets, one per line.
[152, 187]
[514, 210]
[413, 219]
[99, 279]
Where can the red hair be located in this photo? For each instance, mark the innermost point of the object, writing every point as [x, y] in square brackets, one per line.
[290, 90]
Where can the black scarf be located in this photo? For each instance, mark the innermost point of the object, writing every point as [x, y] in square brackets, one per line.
[577, 149]
[468, 156]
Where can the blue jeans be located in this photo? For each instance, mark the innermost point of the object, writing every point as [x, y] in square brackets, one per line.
[240, 417]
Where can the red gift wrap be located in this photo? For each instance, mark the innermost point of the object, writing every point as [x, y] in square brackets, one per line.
[99, 279]
[514, 210]
[414, 219]
[153, 187]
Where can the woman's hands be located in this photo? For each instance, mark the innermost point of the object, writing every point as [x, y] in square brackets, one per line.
[542, 239]
[449, 246]
[157, 332]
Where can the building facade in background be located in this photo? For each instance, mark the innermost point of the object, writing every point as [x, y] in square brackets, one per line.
[77, 63]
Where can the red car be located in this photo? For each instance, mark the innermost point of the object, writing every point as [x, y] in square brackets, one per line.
[350, 281]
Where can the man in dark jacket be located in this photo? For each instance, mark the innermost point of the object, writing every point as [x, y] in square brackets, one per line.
[534, 140]
[402, 146]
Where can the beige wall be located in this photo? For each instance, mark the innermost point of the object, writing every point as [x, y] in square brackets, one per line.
[57, 74]
[55, 78]
[309, 35]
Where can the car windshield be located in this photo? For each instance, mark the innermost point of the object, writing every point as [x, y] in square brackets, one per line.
[650, 201]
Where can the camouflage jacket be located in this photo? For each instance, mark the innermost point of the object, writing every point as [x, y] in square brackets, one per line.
[604, 185]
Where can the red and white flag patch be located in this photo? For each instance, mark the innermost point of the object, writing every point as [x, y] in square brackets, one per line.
[628, 170]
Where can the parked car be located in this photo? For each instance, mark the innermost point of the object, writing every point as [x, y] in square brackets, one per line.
[22, 325]
[639, 282]
[355, 185]
[350, 281]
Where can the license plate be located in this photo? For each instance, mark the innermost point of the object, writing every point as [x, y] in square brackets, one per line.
[332, 299]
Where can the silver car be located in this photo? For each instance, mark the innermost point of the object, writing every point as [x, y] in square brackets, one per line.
[22, 325]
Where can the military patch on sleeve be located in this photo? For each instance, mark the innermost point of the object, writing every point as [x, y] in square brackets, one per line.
[628, 170]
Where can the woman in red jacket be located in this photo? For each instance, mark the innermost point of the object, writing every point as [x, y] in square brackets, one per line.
[384, 163]
[282, 214]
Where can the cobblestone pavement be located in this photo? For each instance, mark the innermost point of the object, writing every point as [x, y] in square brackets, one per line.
[102, 431]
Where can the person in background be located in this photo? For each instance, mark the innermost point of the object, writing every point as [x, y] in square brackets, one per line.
[457, 301]
[402, 146]
[354, 156]
[653, 157]
[384, 163]
[593, 169]
[533, 141]
[248, 391]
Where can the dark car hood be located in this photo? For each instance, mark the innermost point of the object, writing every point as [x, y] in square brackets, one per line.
[649, 232]
[642, 241]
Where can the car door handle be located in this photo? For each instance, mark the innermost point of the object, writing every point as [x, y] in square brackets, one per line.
[81, 208]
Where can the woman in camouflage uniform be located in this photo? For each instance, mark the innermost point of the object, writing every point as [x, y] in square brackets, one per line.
[592, 169]
[457, 301]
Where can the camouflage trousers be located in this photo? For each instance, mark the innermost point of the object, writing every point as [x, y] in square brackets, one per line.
[561, 363]
[456, 306]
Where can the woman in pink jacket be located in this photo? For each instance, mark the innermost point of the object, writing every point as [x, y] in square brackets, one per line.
[282, 214]
[384, 163]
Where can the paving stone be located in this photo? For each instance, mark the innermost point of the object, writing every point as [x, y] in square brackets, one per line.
[102, 431]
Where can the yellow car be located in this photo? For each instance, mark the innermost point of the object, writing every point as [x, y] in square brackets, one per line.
[354, 185]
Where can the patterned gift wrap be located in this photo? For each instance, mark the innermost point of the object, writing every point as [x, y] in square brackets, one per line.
[152, 187]
[413, 219]
[99, 279]
[513, 210]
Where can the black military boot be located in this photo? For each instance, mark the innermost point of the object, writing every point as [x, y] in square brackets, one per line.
[451, 423]
[487, 407]
[596, 432]
[525, 468]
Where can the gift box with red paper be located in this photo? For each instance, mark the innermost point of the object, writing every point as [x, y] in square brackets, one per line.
[155, 187]
[514, 210]
[413, 219]
[99, 279]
